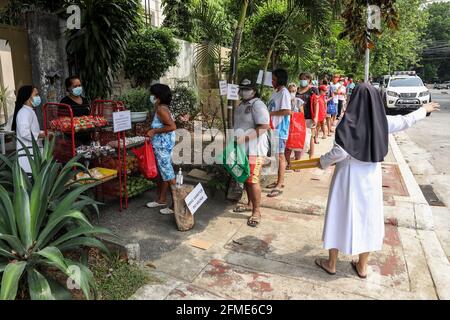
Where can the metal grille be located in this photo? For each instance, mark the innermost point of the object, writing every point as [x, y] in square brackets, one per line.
[408, 95]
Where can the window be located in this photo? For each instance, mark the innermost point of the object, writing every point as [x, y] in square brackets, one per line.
[406, 82]
[148, 12]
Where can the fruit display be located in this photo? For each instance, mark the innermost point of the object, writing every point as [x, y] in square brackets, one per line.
[133, 141]
[89, 152]
[132, 164]
[138, 185]
[79, 123]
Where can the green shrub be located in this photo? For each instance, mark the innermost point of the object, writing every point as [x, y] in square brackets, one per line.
[184, 104]
[137, 100]
[40, 219]
[150, 53]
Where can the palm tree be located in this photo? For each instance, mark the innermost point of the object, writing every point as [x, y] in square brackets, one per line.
[355, 16]
[300, 22]
[99, 47]
[214, 34]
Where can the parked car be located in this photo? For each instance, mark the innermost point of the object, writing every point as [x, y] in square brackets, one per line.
[405, 92]
[442, 86]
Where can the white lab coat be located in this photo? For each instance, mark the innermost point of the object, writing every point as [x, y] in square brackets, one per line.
[354, 221]
[27, 128]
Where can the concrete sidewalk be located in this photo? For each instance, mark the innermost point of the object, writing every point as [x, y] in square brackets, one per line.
[276, 260]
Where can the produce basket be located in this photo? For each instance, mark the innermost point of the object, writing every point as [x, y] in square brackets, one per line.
[99, 174]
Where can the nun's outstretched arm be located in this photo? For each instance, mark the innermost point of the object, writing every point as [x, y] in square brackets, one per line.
[400, 123]
[337, 154]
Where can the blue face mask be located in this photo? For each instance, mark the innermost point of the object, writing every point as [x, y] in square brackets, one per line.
[153, 100]
[77, 92]
[36, 101]
[304, 83]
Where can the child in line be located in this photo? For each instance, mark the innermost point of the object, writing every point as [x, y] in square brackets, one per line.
[297, 106]
[323, 89]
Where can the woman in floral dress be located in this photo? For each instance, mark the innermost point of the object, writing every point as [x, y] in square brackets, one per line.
[162, 135]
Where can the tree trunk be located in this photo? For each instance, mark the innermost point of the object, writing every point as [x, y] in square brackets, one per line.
[235, 56]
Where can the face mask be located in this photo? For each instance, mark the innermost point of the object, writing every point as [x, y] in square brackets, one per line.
[293, 95]
[153, 100]
[77, 92]
[304, 83]
[36, 101]
[247, 94]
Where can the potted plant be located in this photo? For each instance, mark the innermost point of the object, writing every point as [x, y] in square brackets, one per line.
[137, 100]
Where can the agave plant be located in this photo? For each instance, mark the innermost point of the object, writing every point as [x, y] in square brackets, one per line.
[41, 219]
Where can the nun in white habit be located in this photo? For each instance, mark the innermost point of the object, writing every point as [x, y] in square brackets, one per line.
[354, 222]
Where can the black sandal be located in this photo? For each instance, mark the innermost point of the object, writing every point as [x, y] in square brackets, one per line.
[275, 193]
[355, 268]
[254, 221]
[320, 265]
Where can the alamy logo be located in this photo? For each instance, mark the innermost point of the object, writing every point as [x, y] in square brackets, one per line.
[74, 21]
[374, 17]
[74, 279]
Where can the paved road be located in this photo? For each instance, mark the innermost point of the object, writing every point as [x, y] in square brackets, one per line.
[428, 153]
[434, 136]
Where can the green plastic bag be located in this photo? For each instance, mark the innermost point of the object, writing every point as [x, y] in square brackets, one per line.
[236, 162]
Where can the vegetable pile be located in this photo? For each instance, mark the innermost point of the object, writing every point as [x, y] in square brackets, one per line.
[138, 185]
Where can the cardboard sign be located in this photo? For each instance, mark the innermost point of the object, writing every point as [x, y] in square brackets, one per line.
[122, 121]
[233, 92]
[223, 85]
[196, 198]
[267, 79]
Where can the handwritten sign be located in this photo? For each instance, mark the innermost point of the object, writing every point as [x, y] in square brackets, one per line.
[223, 85]
[122, 121]
[233, 92]
[196, 198]
[267, 79]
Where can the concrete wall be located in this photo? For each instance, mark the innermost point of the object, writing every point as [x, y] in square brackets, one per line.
[48, 52]
[7, 82]
[184, 70]
[17, 39]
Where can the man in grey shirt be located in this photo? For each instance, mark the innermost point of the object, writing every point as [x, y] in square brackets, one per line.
[251, 122]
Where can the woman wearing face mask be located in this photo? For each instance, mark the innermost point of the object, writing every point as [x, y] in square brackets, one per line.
[26, 124]
[79, 104]
[162, 135]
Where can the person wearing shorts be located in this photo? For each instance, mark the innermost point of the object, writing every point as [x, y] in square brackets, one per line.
[162, 135]
[251, 122]
[280, 113]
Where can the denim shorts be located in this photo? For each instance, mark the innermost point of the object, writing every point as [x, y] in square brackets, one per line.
[282, 145]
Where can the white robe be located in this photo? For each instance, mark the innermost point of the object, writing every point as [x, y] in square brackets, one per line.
[27, 128]
[354, 221]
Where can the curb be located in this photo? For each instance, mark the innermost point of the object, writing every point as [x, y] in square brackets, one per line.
[422, 211]
[437, 261]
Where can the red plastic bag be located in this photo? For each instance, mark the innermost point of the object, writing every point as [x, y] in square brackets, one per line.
[297, 131]
[147, 161]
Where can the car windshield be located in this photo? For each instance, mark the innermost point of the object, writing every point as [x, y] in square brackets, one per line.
[406, 82]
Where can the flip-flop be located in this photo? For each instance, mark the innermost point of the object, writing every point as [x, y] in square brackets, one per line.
[275, 193]
[241, 209]
[355, 268]
[254, 221]
[318, 263]
[155, 204]
[273, 185]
